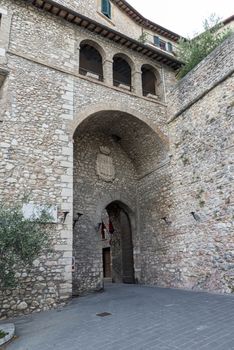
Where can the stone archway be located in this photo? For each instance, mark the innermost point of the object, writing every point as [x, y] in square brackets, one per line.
[88, 111]
[113, 152]
[121, 245]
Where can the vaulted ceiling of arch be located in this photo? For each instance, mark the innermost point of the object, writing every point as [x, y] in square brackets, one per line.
[142, 145]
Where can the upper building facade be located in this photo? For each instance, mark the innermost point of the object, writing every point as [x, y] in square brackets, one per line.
[122, 17]
[116, 21]
[84, 128]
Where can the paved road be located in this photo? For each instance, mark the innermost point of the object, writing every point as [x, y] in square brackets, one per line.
[141, 318]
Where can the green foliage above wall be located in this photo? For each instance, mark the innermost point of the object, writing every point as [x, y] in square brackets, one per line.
[193, 51]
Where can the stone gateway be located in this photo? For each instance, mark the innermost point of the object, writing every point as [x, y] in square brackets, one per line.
[94, 124]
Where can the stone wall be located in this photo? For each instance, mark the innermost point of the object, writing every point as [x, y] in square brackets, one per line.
[44, 101]
[200, 80]
[36, 161]
[49, 110]
[201, 136]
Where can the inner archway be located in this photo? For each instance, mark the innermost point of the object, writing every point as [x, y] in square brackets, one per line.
[114, 155]
[118, 261]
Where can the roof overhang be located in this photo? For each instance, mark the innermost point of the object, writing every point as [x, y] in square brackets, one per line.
[138, 18]
[228, 20]
[89, 24]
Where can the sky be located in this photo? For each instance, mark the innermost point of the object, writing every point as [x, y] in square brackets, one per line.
[184, 17]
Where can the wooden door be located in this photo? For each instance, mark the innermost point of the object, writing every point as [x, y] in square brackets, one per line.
[106, 263]
[127, 249]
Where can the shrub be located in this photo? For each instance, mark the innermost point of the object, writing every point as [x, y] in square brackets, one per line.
[143, 38]
[2, 334]
[21, 242]
[193, 51]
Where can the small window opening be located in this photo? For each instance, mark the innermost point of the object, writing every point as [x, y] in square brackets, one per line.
[160, 43]
[122, 73]
[106, 8]
[90, 62]
[169, 47]
[149, 81]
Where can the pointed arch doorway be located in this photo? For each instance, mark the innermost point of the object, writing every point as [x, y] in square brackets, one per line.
[118, 262]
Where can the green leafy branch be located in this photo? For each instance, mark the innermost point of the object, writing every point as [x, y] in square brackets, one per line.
[193, 51]
[21, 241]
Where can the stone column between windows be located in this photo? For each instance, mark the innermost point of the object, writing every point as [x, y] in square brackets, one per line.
[108, 72]
[137, 83]
[77, 56]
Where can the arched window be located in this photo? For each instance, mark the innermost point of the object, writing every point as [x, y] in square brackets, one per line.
[122, 73]
[90, 61]
[149, 81]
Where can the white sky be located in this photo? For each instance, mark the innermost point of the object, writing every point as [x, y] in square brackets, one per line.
[184, 17]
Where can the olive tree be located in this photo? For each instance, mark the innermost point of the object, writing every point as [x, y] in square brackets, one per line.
[21, 241]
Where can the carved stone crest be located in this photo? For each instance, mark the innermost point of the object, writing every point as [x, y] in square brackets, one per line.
[104, 165]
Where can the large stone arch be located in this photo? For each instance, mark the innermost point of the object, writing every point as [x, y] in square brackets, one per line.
[87, 111]
[135, 149]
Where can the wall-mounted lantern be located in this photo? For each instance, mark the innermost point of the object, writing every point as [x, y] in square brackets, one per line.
[65, 214]
[75, 220]
[195, 216]
[165, 219]
[73, 263]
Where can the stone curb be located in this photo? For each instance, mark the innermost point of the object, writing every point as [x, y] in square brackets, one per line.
[7, 328]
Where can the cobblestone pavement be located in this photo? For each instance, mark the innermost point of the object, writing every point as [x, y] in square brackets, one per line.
[141, 318]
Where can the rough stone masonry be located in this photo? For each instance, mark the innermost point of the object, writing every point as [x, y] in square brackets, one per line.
[79, 143]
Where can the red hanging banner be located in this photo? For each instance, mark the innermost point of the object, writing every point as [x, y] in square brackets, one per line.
[111, 228]
[103, 229]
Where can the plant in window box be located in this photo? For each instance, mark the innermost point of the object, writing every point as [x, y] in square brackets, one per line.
[143, 38]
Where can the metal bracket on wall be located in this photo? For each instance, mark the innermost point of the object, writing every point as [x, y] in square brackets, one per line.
[77, 219]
